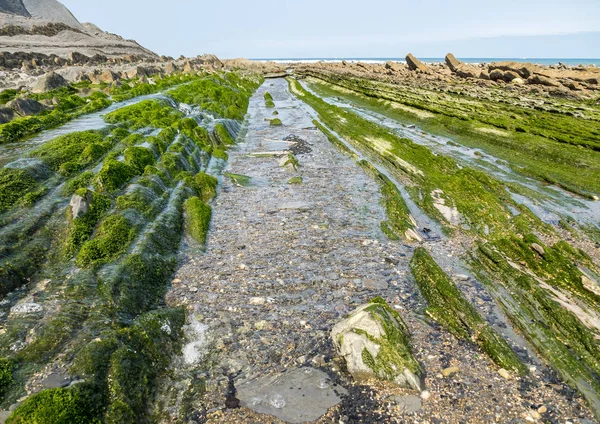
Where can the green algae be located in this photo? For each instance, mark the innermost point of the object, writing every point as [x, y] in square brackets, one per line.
[529, 294]
[57, 406]
[70, 153]
[275, 122]
[239, 180]
[139, 158]
[205, 185]
[83, 180]
[225, 95]
[447, 306]
[269, 103]
[198, 216]
[438, 183]
[395, 352]
[154, 113]
[70, 106]
[295, 181]
[223, 135]
[109, 300]
[113, 176]
[538, 143]
[291, 161]
[400, 223]
[14, 183]
[6, 377]
[80, 229]
[112, 239]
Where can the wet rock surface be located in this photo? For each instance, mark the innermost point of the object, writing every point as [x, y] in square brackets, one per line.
[297, 396]
[275, 280]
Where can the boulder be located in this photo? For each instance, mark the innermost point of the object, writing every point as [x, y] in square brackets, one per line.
[171, 68]
[496, 75]
[374, 342]
[452, 62]
[78, 58]
[108, 76]
[467, 71]
[518, 81]
[80, 203]
[6, 115]
[415, 64]
[48, 82]
[188, 68]
[484, 75]
[510, 75]
[523, 70]
[25, 107]
[574, 86]
[212, 60]
[542, 80]
[137, 72]
[394, 66]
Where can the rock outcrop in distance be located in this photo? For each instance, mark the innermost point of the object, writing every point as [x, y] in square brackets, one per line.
[47, 27]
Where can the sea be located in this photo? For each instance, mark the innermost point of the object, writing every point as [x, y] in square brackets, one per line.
[474, 60]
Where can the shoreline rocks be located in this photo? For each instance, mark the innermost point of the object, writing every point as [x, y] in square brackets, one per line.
[415, 64]
[375, 343]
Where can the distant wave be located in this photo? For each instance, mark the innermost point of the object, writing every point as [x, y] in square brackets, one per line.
[476, 60]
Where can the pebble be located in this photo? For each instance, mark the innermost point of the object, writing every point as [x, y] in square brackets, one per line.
[536, 415]
[371, 284]
[408, 404]
[450, 371]
[504, 374]
[26, 308]
[425, 395]
[257, 301]
[542, 409]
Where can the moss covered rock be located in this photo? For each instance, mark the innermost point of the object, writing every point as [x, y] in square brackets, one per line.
[198, 216]
[112, 239]
[6, 368]
[57, 406]
[375, 342]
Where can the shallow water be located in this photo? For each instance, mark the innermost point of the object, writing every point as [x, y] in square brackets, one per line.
[93, 121]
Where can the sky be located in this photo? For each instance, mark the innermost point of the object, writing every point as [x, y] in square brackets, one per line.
[352, 28]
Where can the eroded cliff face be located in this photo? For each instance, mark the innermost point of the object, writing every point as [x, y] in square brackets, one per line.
[48, 27]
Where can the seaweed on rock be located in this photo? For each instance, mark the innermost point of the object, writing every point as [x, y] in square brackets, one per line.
[447, 305]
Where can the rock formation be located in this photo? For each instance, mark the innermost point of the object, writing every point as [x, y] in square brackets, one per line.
[50, 81]
[415, 64]
[47, 27]
[374, 342]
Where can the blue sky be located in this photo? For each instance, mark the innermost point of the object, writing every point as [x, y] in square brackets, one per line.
[353, 28]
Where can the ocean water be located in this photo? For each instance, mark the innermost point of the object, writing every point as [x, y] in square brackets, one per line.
[539, 61]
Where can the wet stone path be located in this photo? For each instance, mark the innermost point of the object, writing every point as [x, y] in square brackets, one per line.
[285, 262]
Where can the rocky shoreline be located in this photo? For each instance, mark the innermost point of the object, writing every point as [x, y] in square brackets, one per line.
[198, 240]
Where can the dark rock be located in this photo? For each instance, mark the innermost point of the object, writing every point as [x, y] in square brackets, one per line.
[25, 107]
[394, 66]
[467, 71]
[496, 75]
[452, 62]
[171, 68]
[80, 204]
[510, 75]
[415, 64]
[78, 58]
[542, 80]
[55, 381]
[50, 81]
[6, 115]
[524, 70]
